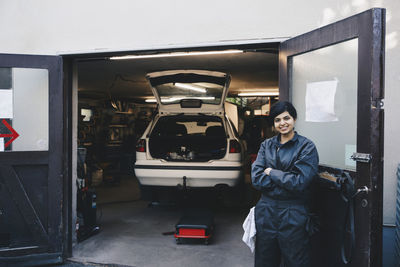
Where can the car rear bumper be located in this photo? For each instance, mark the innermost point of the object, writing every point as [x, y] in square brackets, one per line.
[171, 174]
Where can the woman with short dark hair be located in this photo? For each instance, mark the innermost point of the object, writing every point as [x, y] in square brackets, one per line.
[284, 169]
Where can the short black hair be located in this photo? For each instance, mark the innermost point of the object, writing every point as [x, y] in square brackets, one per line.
[280, 107]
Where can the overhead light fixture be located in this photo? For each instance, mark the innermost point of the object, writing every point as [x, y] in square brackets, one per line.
[259, 94]
[172, 99]
[178, 54]
[165, 100]
[190, 87]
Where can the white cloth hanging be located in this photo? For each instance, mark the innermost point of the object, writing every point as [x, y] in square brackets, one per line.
[249, 227]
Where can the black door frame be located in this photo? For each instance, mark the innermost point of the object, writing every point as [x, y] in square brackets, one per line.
[369, 28]
[68, 64]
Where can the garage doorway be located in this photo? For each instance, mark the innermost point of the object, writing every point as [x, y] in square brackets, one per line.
[113, 105]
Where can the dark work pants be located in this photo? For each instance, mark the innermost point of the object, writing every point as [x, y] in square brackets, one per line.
[281, 233]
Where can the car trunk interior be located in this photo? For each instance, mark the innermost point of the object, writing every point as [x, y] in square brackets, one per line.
[115, 105]
[188, 138]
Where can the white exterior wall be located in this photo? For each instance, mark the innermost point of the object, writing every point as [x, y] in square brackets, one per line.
[61, 26]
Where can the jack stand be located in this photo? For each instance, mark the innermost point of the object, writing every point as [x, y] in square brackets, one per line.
[185, 191]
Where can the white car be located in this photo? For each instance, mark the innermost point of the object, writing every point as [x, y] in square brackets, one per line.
[190, 141]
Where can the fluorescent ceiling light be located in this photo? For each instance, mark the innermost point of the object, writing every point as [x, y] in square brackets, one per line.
[259, 94]
[172, 99]
[165, 100]
[178, 54]
[190, 87]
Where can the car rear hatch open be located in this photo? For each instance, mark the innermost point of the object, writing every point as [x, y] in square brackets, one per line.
[189, 91]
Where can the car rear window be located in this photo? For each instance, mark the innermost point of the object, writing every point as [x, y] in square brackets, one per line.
[188, 125]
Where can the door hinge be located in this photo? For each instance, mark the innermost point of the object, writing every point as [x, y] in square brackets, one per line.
[378, 103]
[361, 157]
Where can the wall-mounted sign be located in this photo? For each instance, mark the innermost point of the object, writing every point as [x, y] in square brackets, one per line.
[13, 134]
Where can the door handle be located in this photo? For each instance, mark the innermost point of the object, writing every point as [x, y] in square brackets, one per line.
[364, 189]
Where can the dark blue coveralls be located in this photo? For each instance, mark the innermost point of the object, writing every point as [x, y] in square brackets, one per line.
[282, 212]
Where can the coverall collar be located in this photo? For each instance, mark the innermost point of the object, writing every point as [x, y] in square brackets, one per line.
[277, 139]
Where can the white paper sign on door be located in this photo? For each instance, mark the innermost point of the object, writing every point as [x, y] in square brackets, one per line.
[320, 101]
[6, 104]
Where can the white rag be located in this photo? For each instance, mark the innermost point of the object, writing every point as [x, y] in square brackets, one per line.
[249, 227]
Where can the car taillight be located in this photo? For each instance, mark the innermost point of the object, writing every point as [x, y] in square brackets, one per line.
[234, 146]
[141, 145]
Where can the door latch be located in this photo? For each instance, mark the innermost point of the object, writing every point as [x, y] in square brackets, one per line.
[361, 157]
[378, 104]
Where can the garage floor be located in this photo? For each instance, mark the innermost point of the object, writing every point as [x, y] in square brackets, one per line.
[138, 234]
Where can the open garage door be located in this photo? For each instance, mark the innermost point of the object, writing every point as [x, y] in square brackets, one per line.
[334, 76]
[31, 160]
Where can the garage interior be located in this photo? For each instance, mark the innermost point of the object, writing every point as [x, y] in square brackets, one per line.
[116, 222]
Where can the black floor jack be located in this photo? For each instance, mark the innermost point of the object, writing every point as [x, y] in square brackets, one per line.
[86, 225]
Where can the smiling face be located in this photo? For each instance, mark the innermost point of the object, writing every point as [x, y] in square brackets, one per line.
[284, 123]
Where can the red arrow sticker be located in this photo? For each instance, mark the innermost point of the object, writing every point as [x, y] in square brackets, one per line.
[14, 135]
